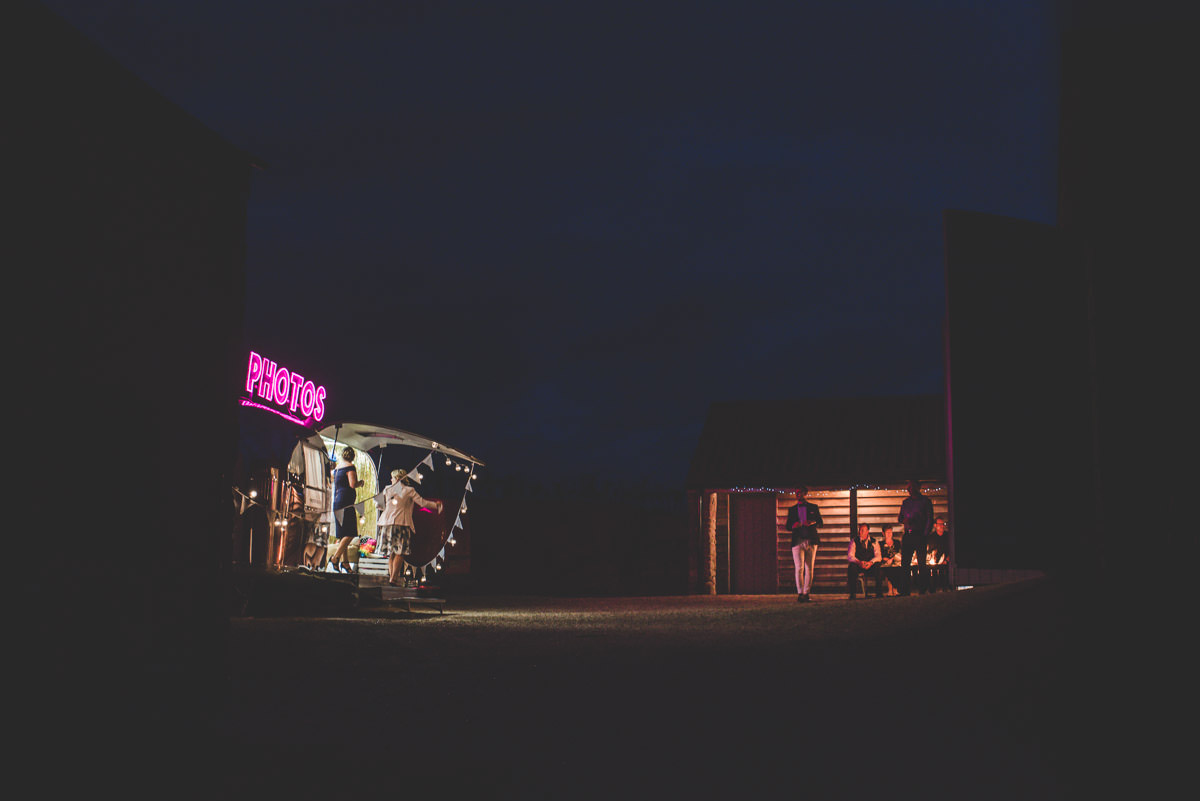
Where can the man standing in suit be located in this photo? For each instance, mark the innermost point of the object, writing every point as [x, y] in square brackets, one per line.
[802, 522]
[916, 515]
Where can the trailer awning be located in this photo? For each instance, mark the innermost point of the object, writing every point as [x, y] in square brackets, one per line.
[367, 436]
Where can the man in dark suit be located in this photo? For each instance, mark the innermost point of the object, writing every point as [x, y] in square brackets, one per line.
[916, 515]
[802, 522]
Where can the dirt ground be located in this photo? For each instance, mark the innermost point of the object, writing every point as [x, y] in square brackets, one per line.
[983, 693]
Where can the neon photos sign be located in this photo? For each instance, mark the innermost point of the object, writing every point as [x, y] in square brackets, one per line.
[287, 390]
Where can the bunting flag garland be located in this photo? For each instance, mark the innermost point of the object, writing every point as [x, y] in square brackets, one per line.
[436, 562]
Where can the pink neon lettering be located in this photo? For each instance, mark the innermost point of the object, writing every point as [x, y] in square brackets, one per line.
[282, 377]
[308, 398]
[266, 384]
[277, 384]
[254, 372]
[297, 382]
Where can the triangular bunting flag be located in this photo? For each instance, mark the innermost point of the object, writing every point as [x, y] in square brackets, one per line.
[415, 476]
[469, 486]
[458, 522]
[428, 460]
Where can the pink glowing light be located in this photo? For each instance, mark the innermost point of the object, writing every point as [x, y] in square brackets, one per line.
[280, 385]
[308, 398]
[297, 382]
[266, 384]
[306, 423]
[255, 371]
[275, 384]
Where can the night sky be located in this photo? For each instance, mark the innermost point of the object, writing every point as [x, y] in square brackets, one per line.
[551, 234]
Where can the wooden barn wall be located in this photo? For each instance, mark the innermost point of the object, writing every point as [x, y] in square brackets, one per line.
[752, 540]
[842, 508]
[841, 514]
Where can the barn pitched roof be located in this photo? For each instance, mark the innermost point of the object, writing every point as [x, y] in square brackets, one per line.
[821, 441]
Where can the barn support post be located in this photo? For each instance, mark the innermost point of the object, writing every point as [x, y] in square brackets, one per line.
[853, 513]
[709, 550]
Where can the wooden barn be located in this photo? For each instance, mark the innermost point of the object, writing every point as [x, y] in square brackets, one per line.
[855, 455]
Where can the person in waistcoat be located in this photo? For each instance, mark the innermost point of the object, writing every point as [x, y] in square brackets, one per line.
[864, 558]
[802, 522]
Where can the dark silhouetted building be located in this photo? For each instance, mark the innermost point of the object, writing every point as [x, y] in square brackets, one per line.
[126, 305]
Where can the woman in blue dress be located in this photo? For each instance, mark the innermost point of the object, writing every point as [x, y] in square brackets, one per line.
[345, 518]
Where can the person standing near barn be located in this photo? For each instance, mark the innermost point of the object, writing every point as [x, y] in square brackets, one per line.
[802, 522]
[396, 522]
[916, 515]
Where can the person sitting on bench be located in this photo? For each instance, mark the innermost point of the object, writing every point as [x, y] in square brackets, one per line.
[939, 548]
[864, 559]
[889, 550]
[939, 554]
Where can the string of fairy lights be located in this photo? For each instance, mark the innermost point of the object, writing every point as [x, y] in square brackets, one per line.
[280, 520]
[834, 492]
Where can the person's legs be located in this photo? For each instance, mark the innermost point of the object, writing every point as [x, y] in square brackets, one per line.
[345, 522]
[798, 561]
[397, 545]
[810, 562]
[878, 571]
[852, 571]
[907, 549]
[922, 572]
[338, 557]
